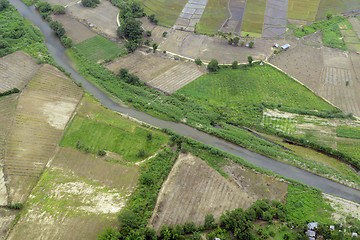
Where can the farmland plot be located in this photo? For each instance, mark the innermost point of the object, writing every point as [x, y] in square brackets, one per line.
[275, 19]
[43, 111]
[7, 112]
[303, 10]
[16, 70]
[79, 196]
[195, 189]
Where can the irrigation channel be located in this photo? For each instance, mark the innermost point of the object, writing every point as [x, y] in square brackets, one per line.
[58, 52]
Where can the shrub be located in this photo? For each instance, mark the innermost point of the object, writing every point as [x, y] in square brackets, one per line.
[16, 206]
[236, 41]
[155, 46]
[153, 19]
[66, 41]
[234, 65]
[141, 153]
[198, 61]
[148, 33]
[14, 90]
[209, 221]
[131, 46]
[213, 66]
[57, 28]
[242, 43]
[43, 7]
[101, 152]
[189, 227]
[164, 34]
[251, 44]
[147, 42]
[58, 9]
[250, 60]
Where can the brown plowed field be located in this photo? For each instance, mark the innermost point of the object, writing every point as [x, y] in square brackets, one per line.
[193, 190]
[7, 217]
[74, 29]
[331, 73]
[16, 70]
[43, 111]
[152, 65]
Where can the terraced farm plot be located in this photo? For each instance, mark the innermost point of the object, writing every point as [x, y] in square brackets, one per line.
[286, 125]
[214, 16]
[336, 6]
[103, 16]
[302, 10]
[16, 70]
[99, 48]
[176, 77]
[152, 65]
[237, 9]
[352, 36]
[43, 111]
[7, 113]
[165, 11]
[193, 189]
[7, 217]
[77, 31]
[190, 15]
[254, 16]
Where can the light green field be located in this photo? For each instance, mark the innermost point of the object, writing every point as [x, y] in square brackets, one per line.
[99, 48]
[213, 17]
[286, 125]
[348, 132]
[350, 147]
[303, 10]
[254, 15]
[166, 11]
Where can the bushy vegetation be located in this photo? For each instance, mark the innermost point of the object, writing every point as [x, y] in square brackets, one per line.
[348, 132]
[331, 34]
[90, 3]
[99, 48]
[9, 92]
[18, 34]
[58, 9]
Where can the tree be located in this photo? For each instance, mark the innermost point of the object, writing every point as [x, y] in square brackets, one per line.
[129, 219]
[236, 40]
[164, 34]
[234, 65]
[123, 72]
[189, 227]
[4, 4]
[131, 30]
[329, 15]
[209, 221]
[230, 41]
[155, 46]
[213, 65]
[43, 6]
[130, 46]
[90, 3]
[237, 222]
[66, 41]
[109, 234]
[58, 9]
[57, 28]
[250, 60]
[148, 33]
[251, 44]
[242, 43]
[198, 61]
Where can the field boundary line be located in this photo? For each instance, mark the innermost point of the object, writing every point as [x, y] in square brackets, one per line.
[305, 86]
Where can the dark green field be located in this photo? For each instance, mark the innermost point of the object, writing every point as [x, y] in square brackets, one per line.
[99, 48]
[239, 92]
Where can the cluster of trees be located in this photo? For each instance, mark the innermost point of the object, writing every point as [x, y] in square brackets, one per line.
[9, 92]
[60, 32]
[45, 9]
[237, 223]
[152, 18]
[130, 28]
[4, 4]
[130, 78]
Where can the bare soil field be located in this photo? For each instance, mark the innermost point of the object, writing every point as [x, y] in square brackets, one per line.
[16, 70]
[103, 16]
[193, 189]
[152, 65]
[43, 111]
[7, 217]
[77, 31]
[190, 15]
[343, 208]
[334, 76]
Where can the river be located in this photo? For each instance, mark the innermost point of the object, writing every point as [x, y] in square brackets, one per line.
[58, 52]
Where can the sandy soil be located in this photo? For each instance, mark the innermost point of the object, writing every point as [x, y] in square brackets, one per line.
[343, 208]
[44, 108]
[205, 47]
[193, 189]
[16, 70]
[103, 16]
[77, 31]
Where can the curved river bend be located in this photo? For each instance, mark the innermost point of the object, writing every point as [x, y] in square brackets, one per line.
[58, 52]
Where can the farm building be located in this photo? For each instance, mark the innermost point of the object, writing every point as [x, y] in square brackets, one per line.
[285, 47]
[312, 226]
[276, 45]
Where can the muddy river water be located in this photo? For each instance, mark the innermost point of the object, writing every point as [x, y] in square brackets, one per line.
[58, 52]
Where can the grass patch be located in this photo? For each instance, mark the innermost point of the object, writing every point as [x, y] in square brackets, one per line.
[239, 92]
[286, 125]
[351, 148]
[99, 48]
[304, 10]
[213, 17]
[306, 205]
[348, 132]
[166, 11]
[92, 136]
[254, 16]
[251, 34]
